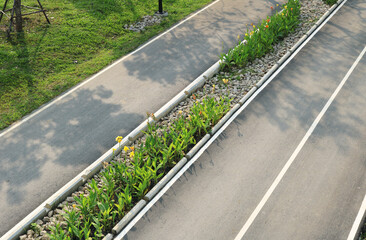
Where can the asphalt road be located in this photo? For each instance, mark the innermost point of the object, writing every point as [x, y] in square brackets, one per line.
[321, 192]
[45, 152]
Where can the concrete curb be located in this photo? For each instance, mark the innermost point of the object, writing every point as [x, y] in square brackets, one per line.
[39, 212]
[358, 229]
[248, 95]
[81, 178]
[225, 118]
[165, 180]
[197, 147]
[267, 75]
[284, 58]
[108, 237]
[257, 86]
[128, 217]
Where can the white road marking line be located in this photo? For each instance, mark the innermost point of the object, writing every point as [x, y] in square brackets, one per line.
[296, 152]
[359, 218]
[17, 124]
[218, 133]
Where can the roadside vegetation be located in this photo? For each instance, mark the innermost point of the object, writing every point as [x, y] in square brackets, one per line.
[363, 232]
[84, 37]
[127, 181]
[330, 2]
[260, 39]
[138, 168]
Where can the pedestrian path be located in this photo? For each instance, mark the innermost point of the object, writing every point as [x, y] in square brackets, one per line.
[292, 164]
[47, 150]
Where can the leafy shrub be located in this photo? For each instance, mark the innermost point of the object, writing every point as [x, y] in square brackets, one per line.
[124, 183]
[259, 40]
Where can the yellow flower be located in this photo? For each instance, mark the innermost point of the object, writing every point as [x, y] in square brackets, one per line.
[285, 6]
[277, 4]
[180, 112]
[253, 26]
[132, 154]
[125, 149]
[252, 32]
[283, 14]
[74, 206]
[119, 139]
[238, 36]
[189, 117]
[246, 34]
[225, 80]
[214, 86]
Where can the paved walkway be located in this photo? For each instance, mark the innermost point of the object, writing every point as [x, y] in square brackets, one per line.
[48, 150]
[263, 177]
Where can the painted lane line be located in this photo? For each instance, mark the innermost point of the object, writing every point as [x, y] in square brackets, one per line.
[296, 152]
[63, 95]
[218, 133]
[358, 221]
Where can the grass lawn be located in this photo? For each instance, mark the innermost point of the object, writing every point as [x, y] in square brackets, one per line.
[84, 37]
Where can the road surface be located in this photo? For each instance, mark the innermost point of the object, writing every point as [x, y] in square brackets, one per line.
[42, 154]
[292, 165]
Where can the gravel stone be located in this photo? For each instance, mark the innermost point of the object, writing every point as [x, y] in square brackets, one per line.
[241, 80]
[50, 213]
[145, 22]
[39, 222]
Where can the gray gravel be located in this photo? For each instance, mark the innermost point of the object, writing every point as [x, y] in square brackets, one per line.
[241, 80]
[145, 22]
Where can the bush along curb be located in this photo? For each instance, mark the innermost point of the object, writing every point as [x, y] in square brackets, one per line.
[241, 102]
[83, 177]
[228, 115]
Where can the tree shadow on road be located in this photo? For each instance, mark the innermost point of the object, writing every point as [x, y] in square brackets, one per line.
[38, 161]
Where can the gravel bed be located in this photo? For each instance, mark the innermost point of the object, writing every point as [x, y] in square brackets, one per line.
[241, 80]
[145, 22]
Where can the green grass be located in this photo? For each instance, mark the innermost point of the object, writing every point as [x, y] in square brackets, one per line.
[84, 37]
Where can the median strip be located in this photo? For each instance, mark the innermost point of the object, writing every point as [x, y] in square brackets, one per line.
[138, 164]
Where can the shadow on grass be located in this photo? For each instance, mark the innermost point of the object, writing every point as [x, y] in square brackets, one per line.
[101, 10]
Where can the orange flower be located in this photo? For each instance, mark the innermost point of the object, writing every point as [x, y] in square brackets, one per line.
[268, 20]
[292, 9]
[132, 148]
[200, 113]
[194, 97]
[271, 8]
[267, 26]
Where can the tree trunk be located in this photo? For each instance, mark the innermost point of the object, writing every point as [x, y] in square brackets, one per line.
[18, 14]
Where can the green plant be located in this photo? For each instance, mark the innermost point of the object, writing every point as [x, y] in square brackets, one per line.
[35, 227]
[57, 233]
[124, 184]
[330, 2]
[260, 39]
[84, 36]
